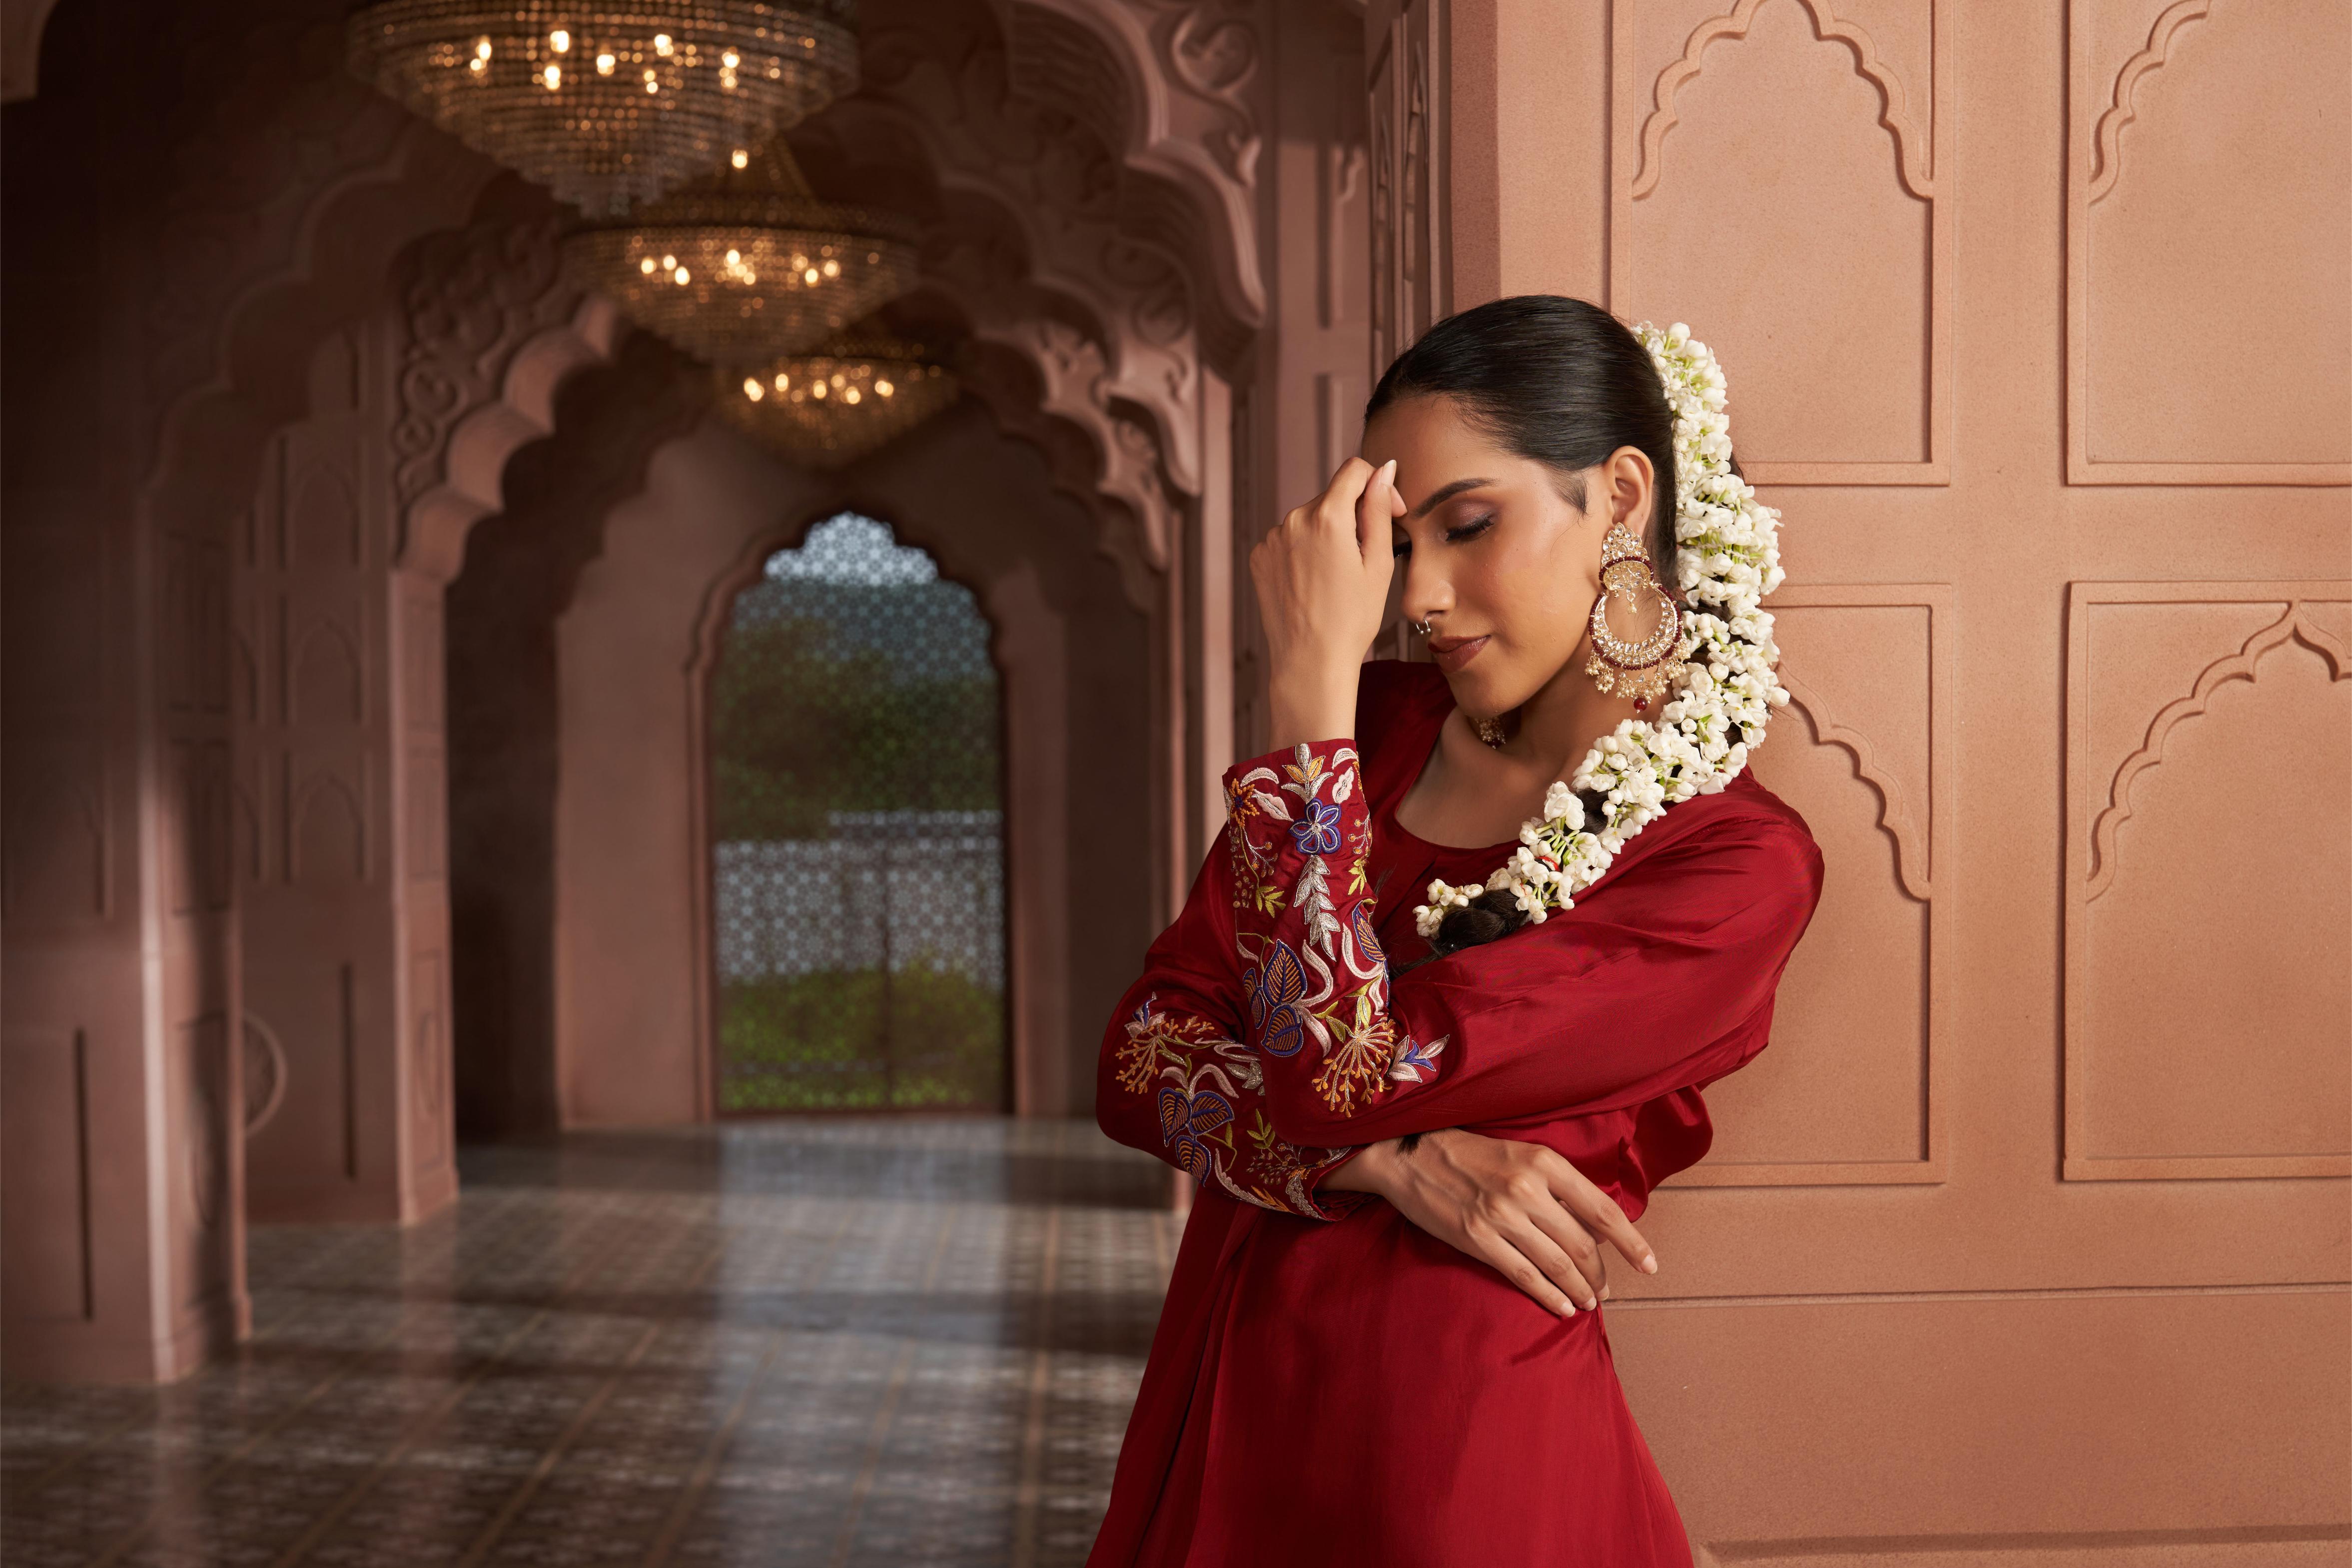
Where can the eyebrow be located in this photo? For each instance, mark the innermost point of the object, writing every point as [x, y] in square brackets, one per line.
[1446, 493]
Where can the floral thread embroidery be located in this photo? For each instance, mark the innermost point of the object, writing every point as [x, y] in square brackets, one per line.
[1319, 832]
[1202, 1079]
[1341, 999]
[1415, 1062]
[1274, 988]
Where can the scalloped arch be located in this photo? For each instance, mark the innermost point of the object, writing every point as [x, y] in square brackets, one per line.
[1080, 376]
[1912, 867]
[2107, 139]
[1915, 165]
[1153, 146]
[2291, 626]
[472, 485]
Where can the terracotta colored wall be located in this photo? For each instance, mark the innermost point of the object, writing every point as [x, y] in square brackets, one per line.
[631, 972]
[2030, 1227]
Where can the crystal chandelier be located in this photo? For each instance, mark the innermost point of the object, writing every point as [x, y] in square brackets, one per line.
[825, 409]
[745, 265]
[608, 104]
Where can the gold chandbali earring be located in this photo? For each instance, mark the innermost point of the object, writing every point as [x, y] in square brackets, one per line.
[1643, 670]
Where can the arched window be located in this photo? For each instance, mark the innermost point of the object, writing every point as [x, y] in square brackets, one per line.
[858, 829]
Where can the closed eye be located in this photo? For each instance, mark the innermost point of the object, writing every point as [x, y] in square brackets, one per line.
[1469, 531]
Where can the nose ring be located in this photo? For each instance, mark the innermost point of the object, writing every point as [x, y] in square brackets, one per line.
[1419, 627]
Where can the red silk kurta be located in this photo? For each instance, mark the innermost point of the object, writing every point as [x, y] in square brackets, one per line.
[1329, 1383]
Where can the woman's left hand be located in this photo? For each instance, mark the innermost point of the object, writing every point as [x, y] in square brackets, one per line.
[1519, 1207]
[1322, 576]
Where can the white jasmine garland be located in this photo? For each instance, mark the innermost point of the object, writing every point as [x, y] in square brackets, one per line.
[1726, 558]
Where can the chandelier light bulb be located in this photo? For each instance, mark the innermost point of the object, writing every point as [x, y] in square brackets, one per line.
[742, 158]
[559, 40]
[884, 388]
[554, 78]
[604, 64]
[751, 388]
[661, 44]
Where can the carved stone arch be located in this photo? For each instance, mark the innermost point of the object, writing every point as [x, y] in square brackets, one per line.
[433, 528]
[1131, 297]
[213, 434]
[1191, 116]
[2294, 625]
[1006, 381]
[1913, 156]
[489, 332]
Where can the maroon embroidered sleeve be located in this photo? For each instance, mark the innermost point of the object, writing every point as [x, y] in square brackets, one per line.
[1176, 1079]
[1659, 980]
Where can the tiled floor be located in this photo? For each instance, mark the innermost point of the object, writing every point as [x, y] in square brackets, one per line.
[782, 1343]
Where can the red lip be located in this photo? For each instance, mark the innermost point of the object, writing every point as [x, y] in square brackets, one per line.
[1453, 653]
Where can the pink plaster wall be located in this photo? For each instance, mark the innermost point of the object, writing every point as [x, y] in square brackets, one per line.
[2025, 1241]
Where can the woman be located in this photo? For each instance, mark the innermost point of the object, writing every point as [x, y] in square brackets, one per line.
[1513, 1065]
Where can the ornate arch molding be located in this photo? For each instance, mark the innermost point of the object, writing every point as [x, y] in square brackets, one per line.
[1188, 114]
[1046, 181]
[2295, 625]
[490, 331]
[257, 360]
[1072, 326]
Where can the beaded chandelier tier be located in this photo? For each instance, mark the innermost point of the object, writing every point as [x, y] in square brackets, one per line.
[744, 265]
[608, 104]
[852, 397]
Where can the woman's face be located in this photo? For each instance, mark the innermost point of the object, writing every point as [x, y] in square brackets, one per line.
[1490, 552]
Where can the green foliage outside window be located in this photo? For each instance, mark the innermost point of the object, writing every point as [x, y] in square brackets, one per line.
[853, 680]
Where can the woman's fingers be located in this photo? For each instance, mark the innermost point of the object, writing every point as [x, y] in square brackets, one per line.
[1374, 506]
[1562, 1271]
[1586, 1274]
[1340, 498]
[1505, 1257]
[1598, 1213]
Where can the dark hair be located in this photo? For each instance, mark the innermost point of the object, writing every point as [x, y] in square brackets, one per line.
[1564, 384]
[1555, 380]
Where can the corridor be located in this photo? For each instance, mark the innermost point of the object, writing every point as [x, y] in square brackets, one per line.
[828, 1341]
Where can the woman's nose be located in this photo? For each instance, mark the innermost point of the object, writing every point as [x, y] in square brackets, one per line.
[1427, 593]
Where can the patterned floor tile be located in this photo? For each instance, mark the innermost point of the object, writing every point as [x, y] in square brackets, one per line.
[838, 1342]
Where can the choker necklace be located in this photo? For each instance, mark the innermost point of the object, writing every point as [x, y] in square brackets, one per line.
[1489, 730]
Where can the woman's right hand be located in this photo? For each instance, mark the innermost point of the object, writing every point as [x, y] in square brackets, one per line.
[1518, 1207]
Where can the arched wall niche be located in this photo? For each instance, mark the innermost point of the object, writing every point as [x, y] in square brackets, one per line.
[633, 964]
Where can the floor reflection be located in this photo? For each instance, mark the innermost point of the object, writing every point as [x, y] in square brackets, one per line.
[829, 1343]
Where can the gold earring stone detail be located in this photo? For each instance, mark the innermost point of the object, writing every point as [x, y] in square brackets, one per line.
[1643, 670]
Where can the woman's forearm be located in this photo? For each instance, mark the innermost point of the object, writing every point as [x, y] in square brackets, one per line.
[1312, 705]
[1367, 1171]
